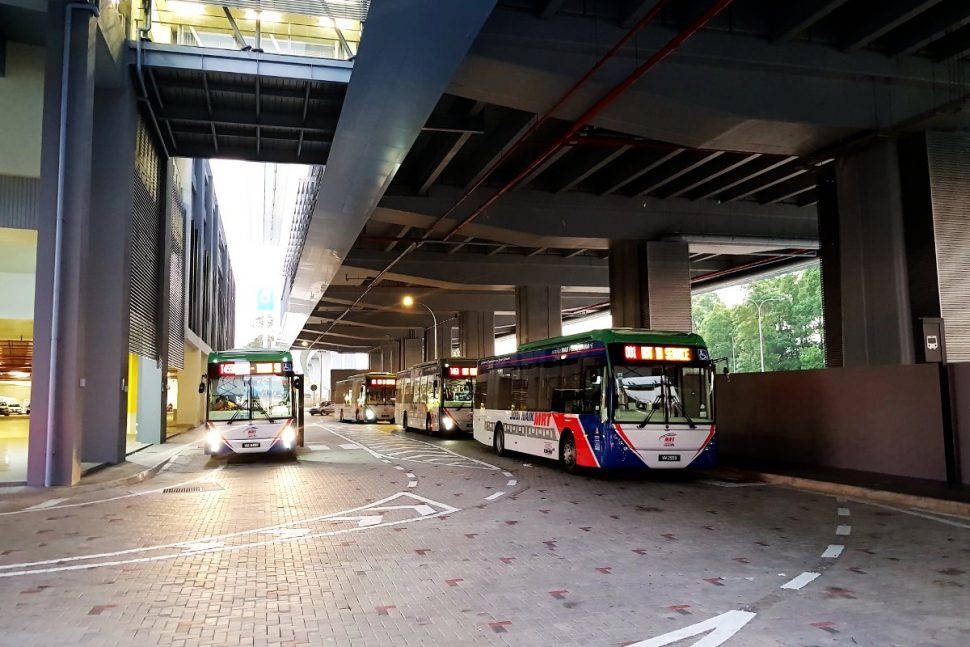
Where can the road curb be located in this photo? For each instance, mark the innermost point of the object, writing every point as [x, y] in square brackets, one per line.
[929, 504]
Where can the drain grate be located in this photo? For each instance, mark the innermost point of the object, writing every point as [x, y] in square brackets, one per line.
[182, 490]
[191, 489]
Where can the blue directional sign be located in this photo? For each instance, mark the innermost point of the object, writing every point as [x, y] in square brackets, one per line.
[266, 300]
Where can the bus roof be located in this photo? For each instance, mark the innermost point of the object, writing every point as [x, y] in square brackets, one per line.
[621, 336]
[367, 374]
[250, 355]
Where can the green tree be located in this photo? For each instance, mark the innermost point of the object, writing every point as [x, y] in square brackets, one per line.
[791, 324]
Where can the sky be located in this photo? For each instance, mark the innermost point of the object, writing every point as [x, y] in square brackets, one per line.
[245, 192]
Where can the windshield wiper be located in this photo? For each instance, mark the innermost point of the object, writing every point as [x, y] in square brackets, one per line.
[656, 401]
[233, 417]
[678, 404]
[265, 412]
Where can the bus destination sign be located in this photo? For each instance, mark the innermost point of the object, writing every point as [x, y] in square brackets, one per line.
[462, 371]
[242, 369]
[637, 353]
[382, 381]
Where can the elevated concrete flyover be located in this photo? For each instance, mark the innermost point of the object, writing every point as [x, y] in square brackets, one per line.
[218, 103]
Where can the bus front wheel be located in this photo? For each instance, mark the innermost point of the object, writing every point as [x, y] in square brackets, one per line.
[498, 441]
[567, 452]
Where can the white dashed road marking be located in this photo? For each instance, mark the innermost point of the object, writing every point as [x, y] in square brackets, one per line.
[843, 531]
[46, 504]
[492, 497]
[844, 512]
[833, 551]
[800, 581]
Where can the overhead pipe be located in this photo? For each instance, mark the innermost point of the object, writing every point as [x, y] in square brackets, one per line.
[544, 117]
[595, 110]
[52, 376]
[746, 266]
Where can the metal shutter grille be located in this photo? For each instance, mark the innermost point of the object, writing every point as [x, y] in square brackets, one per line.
[145, 247]
[176, 262]
[668, 286]
[949, 161]
[19, 202]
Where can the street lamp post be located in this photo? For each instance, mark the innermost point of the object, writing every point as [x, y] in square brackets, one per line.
[761, 337]
[409, 301]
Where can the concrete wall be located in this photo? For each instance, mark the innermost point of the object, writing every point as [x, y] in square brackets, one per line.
[885, 420]
[21, 104]
[960, 387]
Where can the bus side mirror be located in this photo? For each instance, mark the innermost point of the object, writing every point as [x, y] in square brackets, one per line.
[202, 385]
[434, 387]
[298, 382]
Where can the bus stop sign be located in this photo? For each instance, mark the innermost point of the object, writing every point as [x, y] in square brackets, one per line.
[934, 343]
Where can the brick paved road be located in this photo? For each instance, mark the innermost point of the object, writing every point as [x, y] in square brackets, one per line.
[376, 537]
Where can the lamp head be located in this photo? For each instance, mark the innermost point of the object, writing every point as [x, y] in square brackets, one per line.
[408, 301]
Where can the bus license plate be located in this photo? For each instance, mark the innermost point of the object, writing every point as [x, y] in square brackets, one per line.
[669, 458]
[247, 445]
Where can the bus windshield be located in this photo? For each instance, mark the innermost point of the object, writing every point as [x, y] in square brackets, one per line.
[663, 393]
[262, 397]
[458, 391]
[380, 394]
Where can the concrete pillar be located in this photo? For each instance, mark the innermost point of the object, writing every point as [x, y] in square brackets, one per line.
[895, 248]
[189, 410]
[476, 334]
[106, 292]
[412, 352]
[66, 398]
[650, 285]
[391, 357]
[870, 290]
[375, 360]
[444, 342]
[151, 390]
[538, 312]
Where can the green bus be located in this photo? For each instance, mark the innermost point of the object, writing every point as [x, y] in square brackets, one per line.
[255, 403]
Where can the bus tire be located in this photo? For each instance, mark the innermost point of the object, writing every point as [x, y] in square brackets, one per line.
[404, 421]
[498, 441]
[567, 452]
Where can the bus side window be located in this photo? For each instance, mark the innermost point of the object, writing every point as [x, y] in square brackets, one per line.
[503, 389]
[481, 389]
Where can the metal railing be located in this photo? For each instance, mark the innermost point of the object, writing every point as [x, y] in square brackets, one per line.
[195, 24]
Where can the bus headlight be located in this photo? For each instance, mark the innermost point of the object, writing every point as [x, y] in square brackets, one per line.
[288, 437]
[213, 439]
[447, 422]
[369, 414]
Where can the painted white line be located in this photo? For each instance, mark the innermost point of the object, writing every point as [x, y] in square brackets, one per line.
[350, 446]
[512, 483]
[319, 448]
[410, 475]
[202, 477]
[844, 512]
[398, 467]
[46, 504]
[722, 627]
[202, 545]
[492, 497]
[800, 581]
[384, 460]
[412, 484]
[291, 532]
[833, 551]
[470, 463]
[921, 515]
[58, 563]
[843, 531]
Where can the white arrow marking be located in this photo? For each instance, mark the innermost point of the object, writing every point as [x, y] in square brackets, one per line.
[423, 510]
[363, 521]
[46, 504]
[290, 532]
[721, 627]
[202, 545]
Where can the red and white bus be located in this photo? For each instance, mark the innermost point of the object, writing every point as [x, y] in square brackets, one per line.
[437, 396]
[607, 398]
[366, 397]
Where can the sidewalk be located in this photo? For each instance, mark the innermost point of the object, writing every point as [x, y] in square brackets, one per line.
[138, 467]
[884, 488]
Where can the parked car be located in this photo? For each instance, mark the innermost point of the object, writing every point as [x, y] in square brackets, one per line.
[323, 409]
[4, 409]
[16, 409]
